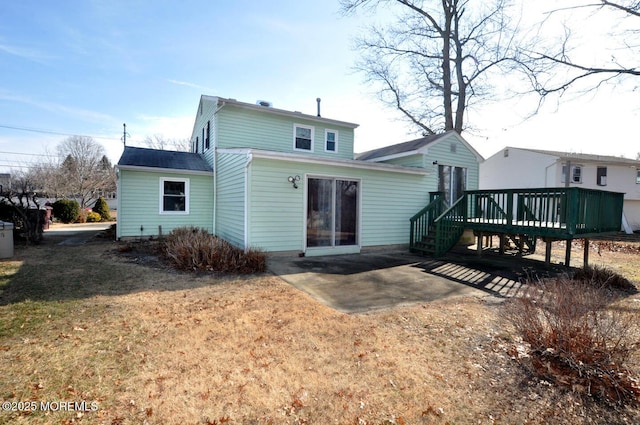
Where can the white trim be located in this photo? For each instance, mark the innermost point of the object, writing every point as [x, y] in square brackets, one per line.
[118, 202]
[350, 163]
[306, 127]
[394, 156]
[163, 170]
[335, 141]
[247, 172]
[161, 196]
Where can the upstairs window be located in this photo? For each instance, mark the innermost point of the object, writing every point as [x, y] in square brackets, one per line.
[303, 138]
[331, 140]
[207, 136]
[197, 143]
[576, 174]
[601, 176]
[174, 196]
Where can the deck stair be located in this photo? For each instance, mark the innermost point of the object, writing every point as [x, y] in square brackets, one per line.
[519, 215]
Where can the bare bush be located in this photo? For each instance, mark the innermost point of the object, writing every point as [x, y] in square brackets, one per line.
[193, 248]
[605, 278]
[577, 339]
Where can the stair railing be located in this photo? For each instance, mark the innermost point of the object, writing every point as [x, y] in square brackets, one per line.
[422, 222]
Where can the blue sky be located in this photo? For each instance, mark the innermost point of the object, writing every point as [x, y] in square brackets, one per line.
[87, 67]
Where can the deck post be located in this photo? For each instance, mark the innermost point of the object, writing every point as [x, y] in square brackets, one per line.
[547, 254]
[502, 242]
[479, 246]
[586, 253]
[567, 254]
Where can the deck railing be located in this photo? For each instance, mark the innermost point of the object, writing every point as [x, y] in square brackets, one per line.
[560, 213]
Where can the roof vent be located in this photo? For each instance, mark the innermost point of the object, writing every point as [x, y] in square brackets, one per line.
[264, 103]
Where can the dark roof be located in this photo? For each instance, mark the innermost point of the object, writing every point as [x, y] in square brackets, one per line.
[409, 146]
[155, 158]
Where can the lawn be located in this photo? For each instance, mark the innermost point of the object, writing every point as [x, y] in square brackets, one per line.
[140, 343]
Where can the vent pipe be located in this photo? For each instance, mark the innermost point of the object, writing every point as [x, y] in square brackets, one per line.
[318, 100]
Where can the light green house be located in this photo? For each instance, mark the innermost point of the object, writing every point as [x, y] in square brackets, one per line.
[278, 180]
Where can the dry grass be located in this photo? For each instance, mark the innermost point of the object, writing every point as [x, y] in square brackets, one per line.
[160, 347]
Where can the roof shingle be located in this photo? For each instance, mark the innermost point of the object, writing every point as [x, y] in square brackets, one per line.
[155, 158]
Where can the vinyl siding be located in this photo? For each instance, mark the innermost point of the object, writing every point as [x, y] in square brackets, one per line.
[462, 157]
[205, 112]
[242, 128]
[139, 204]
[277, 211]
[409, 161]
[231, 198]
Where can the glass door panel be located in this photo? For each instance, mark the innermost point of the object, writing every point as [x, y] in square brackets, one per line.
[346, 212]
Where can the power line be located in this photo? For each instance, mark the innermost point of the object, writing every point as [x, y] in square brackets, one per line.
[37, 130]
[30, 154]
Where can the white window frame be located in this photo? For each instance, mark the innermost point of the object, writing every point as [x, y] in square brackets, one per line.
[308, 127]
[574, 167]
[335, 141]
[186, 195]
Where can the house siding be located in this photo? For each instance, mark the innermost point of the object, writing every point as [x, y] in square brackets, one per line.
[417, 160]
[277, 210]
[139, 204]
[462, 157]
[241, 128]
[230, 201]
[205, 113]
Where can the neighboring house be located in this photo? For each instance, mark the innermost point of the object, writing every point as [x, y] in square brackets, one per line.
[532, 168]
[278, 180]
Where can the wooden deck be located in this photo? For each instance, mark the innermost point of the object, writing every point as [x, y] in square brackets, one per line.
[522, 215]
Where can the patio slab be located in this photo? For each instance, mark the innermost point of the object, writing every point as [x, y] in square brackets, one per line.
[377, 280]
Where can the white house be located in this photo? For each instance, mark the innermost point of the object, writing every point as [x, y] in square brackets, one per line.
[533, 168]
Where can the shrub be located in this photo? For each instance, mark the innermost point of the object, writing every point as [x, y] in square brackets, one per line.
[102, 208]
[603, 277]
[66, 210]
[93, 217]
[576, 339]
[193, 248]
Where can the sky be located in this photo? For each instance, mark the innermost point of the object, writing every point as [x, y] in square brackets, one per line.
[85, 67]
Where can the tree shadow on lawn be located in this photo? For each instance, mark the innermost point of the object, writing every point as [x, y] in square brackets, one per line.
[51, 272]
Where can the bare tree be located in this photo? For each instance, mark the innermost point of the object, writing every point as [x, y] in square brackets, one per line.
[86, 170]
[437, 59]
[556, 65]
[159, 142]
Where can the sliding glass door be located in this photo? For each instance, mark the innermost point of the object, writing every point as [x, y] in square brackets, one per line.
[452, 181]
[332, 212]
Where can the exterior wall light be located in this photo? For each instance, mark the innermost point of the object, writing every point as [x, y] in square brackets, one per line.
[294, 181]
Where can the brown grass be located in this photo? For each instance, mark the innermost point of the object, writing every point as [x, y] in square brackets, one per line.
[155, 346]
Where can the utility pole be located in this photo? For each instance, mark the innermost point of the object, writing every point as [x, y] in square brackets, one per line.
[124, 135]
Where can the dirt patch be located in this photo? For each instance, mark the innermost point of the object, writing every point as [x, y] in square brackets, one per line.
[154, 346]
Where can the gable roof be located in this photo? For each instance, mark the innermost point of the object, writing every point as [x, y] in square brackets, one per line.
[221, 101]
[412, 147]
[581, 156]
[161, 159]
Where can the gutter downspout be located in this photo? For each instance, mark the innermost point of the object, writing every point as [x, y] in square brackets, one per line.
[246, 200]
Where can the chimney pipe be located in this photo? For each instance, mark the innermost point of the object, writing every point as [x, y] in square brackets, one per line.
[318, 100]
